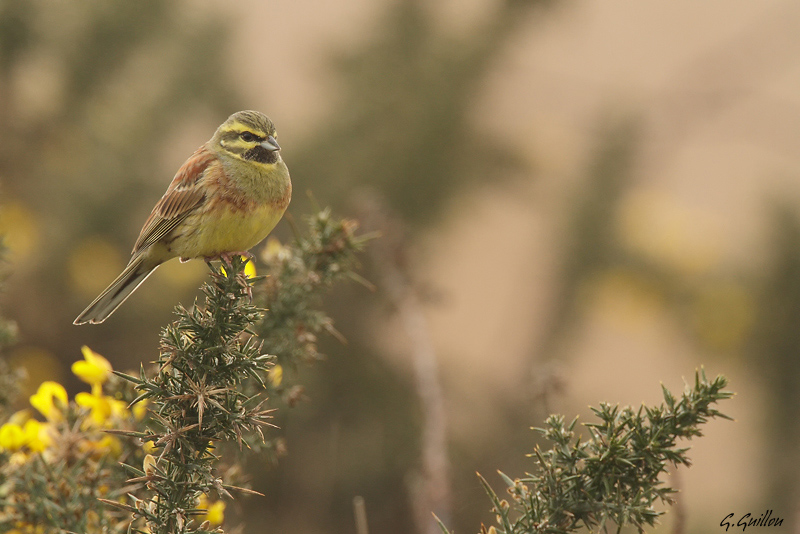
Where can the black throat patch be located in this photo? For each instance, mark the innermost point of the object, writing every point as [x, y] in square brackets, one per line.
[261, 155]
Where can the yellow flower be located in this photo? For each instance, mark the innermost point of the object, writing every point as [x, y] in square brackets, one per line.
[110, 444]
[50, 399]
[12, 437]
[139, 410]
[105, 445]
[215, 513]
[37, 435]
[148, 447]
[119, 409]
[249, 269]
[98, 405]
[93, 369]
[276, 375]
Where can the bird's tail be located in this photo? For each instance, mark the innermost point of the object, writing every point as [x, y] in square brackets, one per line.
[115, 294]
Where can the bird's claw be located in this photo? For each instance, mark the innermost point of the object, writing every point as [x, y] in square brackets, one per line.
[227, 256]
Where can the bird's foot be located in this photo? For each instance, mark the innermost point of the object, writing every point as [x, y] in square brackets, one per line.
[227, 256]
[227, 260]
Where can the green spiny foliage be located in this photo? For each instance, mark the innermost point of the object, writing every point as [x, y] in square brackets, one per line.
[298, 275]
[196, 401]
[53, 472]
[613, 477]
[57, 490]
[215, 370]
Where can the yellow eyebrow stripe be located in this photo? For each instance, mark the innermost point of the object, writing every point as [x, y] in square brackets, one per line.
[237, 126]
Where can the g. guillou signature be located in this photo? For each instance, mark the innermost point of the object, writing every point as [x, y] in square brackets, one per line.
[747, 520]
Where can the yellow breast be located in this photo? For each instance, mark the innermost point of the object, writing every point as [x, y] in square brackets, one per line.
[211, 233]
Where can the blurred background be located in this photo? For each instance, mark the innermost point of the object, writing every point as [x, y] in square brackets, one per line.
[578, 202]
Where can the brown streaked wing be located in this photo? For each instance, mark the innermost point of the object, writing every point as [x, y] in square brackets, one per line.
[183, 196]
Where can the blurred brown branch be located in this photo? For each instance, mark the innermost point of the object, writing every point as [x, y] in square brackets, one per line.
[431, 492]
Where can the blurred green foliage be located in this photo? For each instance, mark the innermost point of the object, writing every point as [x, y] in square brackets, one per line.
[404, 124]
[10, 378]
[90, 96]
[774, 353]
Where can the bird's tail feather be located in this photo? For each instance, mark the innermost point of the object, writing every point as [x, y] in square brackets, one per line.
[115, 294]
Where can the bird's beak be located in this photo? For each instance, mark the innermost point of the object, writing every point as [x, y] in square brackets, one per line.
[271, 144]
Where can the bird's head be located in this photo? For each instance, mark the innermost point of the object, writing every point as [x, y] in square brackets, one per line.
[249, 136]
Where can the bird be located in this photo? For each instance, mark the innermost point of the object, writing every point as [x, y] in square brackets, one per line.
[224, 200]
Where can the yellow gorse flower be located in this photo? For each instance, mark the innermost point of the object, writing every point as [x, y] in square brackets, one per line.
[249, 269]
[119, 409]
[139, 410]
[22, 431]
[100, 447]
[12, 437]
[148, 447]
[93, 369]
[276, 375]
[37, 435]
[98, 405]
[215, 512]
[22, 436]
[50, 399]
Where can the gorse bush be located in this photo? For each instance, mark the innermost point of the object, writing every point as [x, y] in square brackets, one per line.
[149, 445]
[54, 471]
[613, 476]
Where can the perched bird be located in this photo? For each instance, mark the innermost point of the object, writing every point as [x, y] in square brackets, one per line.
[225, 199]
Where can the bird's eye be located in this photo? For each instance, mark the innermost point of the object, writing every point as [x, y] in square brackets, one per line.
[248, 137]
